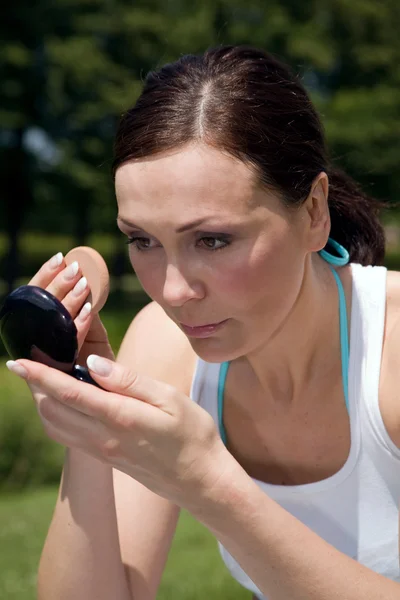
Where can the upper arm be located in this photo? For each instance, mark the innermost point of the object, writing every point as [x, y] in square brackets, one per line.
[155, 346]
[389, 403]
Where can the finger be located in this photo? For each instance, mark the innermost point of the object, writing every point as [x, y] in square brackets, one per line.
[61, 386]
[70, 427]
[59, 436]
[83, 323]
[113, 409]
[48, 271]
[75, 298]
[65, 281]
[75, 423]
[62, 416]
[105, 451]
[63, 437]
[57, 422]
[117, 378]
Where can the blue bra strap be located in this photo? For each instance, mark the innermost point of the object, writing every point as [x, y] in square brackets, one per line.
[221, 386]
[344, 338]
[338, 261]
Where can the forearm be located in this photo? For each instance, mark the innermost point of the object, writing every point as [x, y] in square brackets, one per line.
[283, 557]
[81, 558]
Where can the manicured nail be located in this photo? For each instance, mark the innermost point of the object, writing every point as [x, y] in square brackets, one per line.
[99, 365]
[16, 368]
[85, 312]
[71, 271]
[80, 287]
[56, 260]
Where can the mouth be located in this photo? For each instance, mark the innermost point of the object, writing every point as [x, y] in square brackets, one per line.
[202, 330]
[199, 326]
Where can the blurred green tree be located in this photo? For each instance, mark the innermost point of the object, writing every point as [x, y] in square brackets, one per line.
[69, 68]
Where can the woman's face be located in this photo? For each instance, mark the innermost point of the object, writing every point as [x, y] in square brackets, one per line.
[242, 263]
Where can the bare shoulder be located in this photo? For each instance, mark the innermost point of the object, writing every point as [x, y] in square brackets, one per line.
[154, 345]
[390, 367]
[393, 288]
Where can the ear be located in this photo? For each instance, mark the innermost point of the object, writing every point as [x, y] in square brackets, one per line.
[316, 213]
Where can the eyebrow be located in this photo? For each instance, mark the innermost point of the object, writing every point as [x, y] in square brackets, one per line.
[180, 229]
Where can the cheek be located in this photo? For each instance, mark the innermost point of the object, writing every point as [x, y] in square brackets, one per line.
[266, 280]
[147, 271]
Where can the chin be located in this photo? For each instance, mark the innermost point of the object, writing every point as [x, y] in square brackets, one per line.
[213, 353]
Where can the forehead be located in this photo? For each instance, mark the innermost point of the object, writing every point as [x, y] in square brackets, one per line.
[194, 180]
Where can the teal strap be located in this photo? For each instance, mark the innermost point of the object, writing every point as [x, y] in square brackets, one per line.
[221, 386]
[344, 349]
[344, 338]
[340, 260]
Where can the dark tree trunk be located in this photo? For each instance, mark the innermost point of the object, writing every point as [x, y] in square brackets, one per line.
[18, 196]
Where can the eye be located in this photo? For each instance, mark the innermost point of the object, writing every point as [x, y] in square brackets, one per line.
[210, 242]
[139, 242]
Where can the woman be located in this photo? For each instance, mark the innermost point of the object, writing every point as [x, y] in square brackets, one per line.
[234, 394]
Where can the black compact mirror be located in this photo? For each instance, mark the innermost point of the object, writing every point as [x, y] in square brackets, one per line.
[35, 325]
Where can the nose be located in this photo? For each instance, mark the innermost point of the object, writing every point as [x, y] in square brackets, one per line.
[178, 289]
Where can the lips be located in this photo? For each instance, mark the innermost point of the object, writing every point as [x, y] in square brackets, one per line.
[196, 326]
[203, 331]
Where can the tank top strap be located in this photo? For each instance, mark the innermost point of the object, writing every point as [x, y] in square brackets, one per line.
[221, 388]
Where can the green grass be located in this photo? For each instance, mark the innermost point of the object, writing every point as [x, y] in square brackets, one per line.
[27, 456]
[194, 569]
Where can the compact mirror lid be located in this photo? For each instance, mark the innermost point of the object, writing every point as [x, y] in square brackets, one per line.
[35, 325]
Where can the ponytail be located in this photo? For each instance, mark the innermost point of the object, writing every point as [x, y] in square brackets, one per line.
[355, 219]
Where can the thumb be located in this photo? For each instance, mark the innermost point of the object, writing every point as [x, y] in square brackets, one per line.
[114, 377]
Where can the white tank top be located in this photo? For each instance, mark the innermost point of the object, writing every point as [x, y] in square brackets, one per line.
[357, 509]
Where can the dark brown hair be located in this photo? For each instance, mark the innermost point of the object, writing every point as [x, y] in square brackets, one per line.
[246, 102]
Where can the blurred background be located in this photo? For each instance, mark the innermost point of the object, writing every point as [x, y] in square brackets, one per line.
[68, 69]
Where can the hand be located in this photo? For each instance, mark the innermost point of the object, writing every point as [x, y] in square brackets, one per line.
[136, 424]
[92, 336]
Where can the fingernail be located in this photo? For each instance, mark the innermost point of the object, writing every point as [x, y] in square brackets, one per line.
[85, 312]
[56, 260]
[99, 365]
[80, 286]
[71, 271]
[16, 368]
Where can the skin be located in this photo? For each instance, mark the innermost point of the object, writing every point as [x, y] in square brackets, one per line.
[267, 283]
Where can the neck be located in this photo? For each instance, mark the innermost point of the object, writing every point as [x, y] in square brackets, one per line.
[304, 353]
